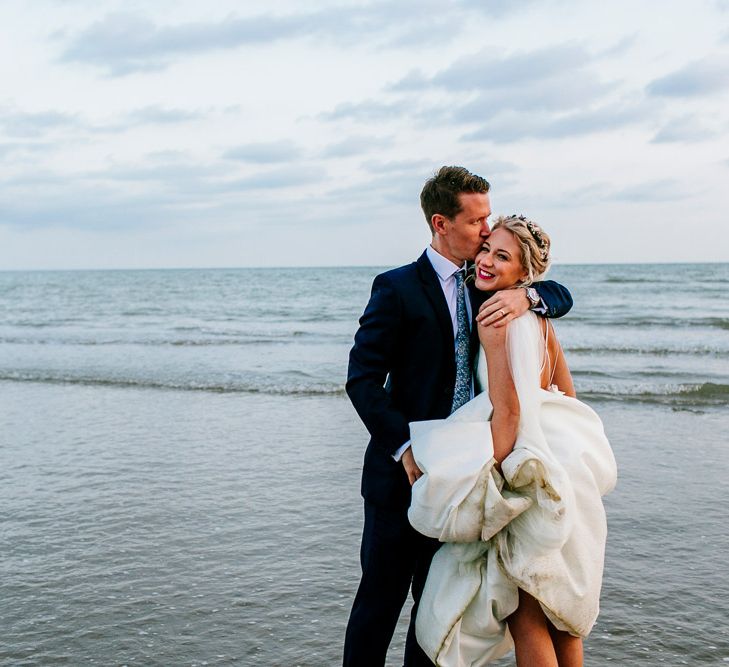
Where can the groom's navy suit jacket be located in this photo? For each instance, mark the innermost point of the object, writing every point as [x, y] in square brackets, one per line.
[402, 366]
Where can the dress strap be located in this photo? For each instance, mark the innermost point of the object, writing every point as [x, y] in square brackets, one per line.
[554, 366]
[545, 356]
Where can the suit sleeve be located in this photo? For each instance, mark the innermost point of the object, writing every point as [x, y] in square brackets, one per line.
[371, 360]
[556, 298]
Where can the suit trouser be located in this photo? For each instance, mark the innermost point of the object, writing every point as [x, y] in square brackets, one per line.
[393, 556]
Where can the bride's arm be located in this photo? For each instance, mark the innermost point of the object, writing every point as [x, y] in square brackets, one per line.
[505, 419]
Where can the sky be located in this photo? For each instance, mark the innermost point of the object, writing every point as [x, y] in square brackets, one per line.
[231, 134]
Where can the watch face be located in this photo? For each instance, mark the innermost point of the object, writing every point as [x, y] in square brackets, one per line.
[533, 295]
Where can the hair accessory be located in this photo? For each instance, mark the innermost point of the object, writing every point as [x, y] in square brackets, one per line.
[536, 233]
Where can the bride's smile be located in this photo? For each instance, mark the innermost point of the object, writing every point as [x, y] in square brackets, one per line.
[499, 264]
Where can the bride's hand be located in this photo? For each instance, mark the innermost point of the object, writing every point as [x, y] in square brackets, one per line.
[411, 468]
[503, 307]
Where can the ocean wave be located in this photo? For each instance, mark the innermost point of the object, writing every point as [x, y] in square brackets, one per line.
[143, 312]
[600, 319]
[706, 394]
[604, 350]
[298, 383]
[620, 280]
[240, 341]
[300, 388]
[589, 373]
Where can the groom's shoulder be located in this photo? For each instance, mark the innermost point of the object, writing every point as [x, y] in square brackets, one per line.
[400, 274]
[400, 279]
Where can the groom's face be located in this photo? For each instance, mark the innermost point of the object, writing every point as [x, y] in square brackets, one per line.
[465, 233]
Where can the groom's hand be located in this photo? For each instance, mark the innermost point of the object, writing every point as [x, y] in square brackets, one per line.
[503, 307]
[411, 468]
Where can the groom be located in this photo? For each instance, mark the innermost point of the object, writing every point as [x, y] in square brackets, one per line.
[403, 367]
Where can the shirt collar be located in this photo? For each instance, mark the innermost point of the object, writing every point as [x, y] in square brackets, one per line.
[442, 265]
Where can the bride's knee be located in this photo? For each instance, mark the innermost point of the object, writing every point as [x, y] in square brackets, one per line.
[529, 612]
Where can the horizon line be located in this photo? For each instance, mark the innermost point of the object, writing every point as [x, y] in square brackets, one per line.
[328, 266]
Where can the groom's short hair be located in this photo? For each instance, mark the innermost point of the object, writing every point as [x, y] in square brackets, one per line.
[440, 193]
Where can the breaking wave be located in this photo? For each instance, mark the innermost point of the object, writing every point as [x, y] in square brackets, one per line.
[299, 387]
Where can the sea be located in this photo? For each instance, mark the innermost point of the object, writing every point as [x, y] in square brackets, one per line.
[179, 463]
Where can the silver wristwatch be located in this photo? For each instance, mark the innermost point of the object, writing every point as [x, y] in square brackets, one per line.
[533, 296]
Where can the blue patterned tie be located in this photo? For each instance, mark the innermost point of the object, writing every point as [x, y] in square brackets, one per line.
[462, 391]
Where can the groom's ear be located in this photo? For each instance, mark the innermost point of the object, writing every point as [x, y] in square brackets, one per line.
[437, 222]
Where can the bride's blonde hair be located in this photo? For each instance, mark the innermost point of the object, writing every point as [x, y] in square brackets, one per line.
[534, 244]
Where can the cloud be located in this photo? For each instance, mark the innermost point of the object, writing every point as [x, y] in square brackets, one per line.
[184, 177]
[585, 195]
[15, 123]
[697, 79]
[409, 23]
[621, 47]
[483, 86]
[542, 98]
[518, 126]
[152, 195]
[16, 148]
[124, 43]
[190, 180]
[279, 178]
[33, 124]
[426, 168]
[498, 8]
[414, 81]
[264, 152]
[683, 129]
[368, 111]
[356, 145]
[25, 124]
[552, 92]
[162, 115]
[408, 167]
[655, 191]
[380, 191]
[388, 185]
[521, 69]
[87, 206]
[487, 71]
[652, 191]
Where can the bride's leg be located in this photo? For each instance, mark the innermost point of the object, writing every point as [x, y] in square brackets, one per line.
[567, 647]
[530, 630]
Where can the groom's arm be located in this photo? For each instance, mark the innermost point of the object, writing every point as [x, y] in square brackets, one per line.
[556, 298]
[370, 361]
[505, 305]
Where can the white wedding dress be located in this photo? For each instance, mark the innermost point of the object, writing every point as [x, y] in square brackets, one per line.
[540, 527]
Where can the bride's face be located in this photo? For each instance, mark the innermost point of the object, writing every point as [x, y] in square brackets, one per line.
[498, 265]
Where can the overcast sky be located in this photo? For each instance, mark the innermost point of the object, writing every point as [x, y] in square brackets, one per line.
[175, 134]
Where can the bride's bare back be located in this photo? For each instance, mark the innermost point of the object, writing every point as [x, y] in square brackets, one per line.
[555, 370]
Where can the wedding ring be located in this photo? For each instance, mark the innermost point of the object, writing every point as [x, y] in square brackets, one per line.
[503, 314]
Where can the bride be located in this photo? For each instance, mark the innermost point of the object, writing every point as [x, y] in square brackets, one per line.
[512, 483]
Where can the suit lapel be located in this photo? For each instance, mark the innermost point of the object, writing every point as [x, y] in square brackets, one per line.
[434, 292]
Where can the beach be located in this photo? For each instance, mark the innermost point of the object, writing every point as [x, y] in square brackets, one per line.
[180, 466]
